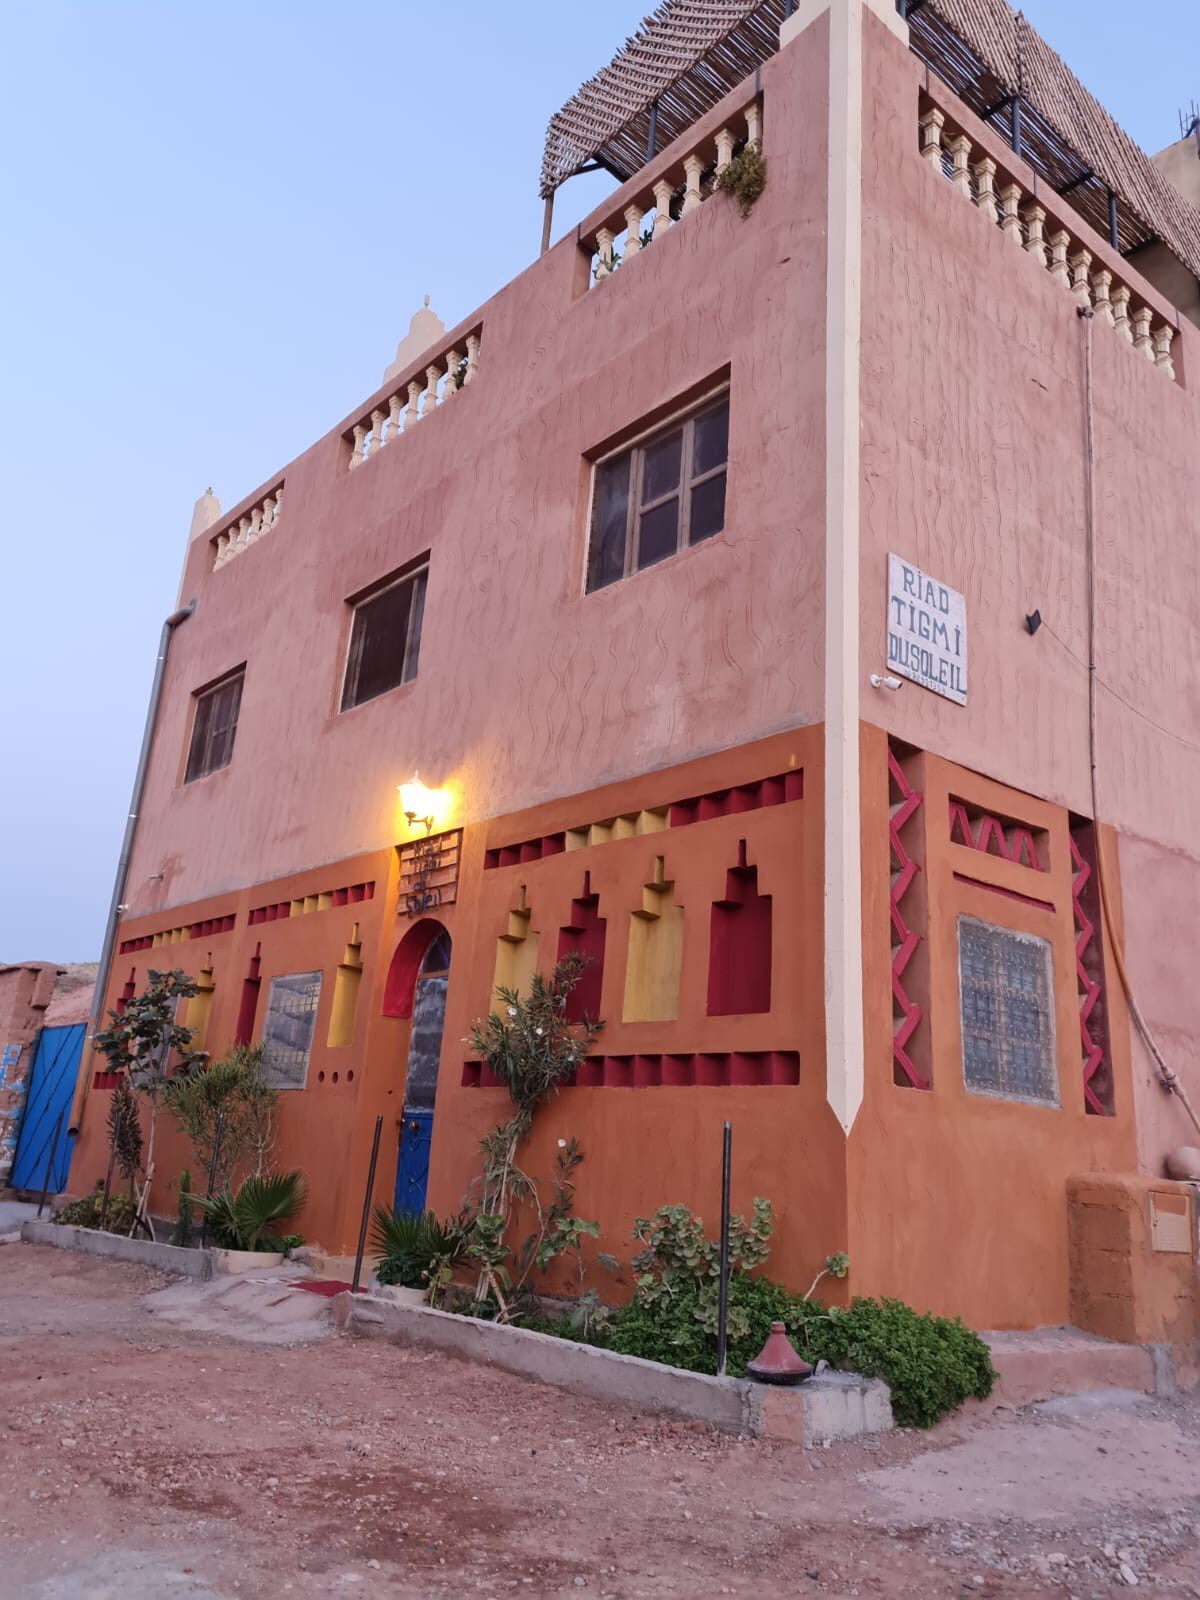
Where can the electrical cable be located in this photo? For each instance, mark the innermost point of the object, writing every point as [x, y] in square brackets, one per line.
[1167, 1077]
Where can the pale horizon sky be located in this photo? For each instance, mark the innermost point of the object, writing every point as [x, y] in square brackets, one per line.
[221, 216]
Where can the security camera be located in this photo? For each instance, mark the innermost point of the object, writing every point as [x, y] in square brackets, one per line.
[877, 682]
[122, 907]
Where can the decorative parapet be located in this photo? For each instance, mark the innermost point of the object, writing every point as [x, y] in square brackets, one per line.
[667, 194]
[1043, 232]
[243, 531]
[444, 373]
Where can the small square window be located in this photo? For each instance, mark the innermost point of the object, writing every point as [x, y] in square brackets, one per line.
[214, 725]
[385, 638]
[287, 1033]
[1006, 1000]
[664, 494]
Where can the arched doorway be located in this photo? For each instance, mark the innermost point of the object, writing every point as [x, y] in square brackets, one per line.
[416, 988]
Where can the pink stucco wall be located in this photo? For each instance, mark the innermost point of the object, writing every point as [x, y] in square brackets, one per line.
[528, 688]
[973, 413]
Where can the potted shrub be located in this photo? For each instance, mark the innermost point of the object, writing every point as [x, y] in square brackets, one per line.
[416, 1253]
[240, 1224]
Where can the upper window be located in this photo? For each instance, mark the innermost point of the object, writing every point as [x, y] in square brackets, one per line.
[214, 726]
[660, 496]
[385, 639]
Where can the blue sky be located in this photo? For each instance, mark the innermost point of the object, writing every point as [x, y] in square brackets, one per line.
[219, 217]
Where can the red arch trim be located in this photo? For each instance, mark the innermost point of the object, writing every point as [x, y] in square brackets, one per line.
[401, 982]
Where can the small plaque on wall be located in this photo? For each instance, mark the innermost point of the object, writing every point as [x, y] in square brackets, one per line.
[926, 631]
[429, 873]
[1170, 1223]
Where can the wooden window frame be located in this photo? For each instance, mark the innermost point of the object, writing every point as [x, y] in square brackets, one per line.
[420, 570]
[637, 508]
[206, 766]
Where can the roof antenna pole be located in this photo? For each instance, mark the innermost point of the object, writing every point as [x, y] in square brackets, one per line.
[547, 219]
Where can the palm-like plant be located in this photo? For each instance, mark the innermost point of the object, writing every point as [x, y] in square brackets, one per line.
[408, 1243]
[242, 1221]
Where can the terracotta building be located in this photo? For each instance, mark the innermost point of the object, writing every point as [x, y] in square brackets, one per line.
[730, 581]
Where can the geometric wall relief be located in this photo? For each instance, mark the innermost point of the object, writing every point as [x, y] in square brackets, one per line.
[996, 835]
[324, 900]
[1098, 1089]
[199, 1007]
[192, 930]
[655, 953]
[711, 1069]
[346, 985]
[516, 951]
[248, 1005]
[910, 1063]
[776, 790]
[739, 959]
[584, 936]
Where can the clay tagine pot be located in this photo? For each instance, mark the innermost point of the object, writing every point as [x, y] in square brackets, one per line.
[777, 1361]
[1184, 1163]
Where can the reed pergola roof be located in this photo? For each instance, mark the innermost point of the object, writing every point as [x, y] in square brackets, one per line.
[689, 54]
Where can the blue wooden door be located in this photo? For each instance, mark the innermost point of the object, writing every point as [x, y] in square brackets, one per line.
[420, 1086]
[47, 1109]
[412, 1169]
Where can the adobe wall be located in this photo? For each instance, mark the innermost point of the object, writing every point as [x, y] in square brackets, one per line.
[527, 688]
[973, 422]
[25, 993]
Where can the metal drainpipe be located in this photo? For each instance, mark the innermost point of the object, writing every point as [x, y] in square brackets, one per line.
[84, 1078]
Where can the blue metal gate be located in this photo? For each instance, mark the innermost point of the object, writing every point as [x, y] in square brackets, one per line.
[47, 1110]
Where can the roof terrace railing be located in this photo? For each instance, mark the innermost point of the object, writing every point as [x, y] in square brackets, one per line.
[667, 192]
[445, 373]
[1043, 234]
[240, 532]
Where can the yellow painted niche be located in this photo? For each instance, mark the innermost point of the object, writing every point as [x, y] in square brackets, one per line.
[345, 994]
[199, 1007]
[655, 954]
[516, 951]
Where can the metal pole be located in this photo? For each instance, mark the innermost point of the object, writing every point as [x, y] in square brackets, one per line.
[547, 219]
[1112, 220]
[212, 1177]
[652, 132]
[50, 1164]
[366, 1216]
[1016, 124]
[723, 1288]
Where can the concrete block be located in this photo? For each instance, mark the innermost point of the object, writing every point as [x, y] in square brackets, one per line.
[115, 1247]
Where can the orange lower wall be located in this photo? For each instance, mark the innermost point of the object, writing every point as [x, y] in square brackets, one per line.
[954, 1201]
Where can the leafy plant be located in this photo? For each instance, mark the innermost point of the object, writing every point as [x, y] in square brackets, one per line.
[182, 1232]
[410, 1244]
[745, 177]
[85, 1212]
[125, 1132]
[233, 1089]
[242, 1221]
[139, 1044]
[533, 1049]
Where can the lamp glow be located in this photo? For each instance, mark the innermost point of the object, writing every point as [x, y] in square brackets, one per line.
[418, 803]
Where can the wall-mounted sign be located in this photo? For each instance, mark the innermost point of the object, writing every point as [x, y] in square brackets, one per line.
[429, 873]
[926, 631]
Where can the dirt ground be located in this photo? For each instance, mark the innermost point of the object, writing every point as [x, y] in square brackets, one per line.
[139, 1461]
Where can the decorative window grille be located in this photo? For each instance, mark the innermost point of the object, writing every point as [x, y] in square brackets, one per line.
[287, 1033]
[1006, 996]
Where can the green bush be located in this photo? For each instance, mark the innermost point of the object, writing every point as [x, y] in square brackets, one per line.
[931, 1364]
[242, 1221]
[85, 1213]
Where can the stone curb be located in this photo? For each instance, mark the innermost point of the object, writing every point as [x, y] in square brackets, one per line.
[835, 1405]
[115, 1247]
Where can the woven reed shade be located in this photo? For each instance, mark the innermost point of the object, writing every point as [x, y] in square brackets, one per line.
[690, 53]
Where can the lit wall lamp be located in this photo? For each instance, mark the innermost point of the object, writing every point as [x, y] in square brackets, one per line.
[418, 803]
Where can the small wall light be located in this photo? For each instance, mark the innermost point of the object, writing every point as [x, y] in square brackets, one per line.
[418, 803]
[877, 682]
